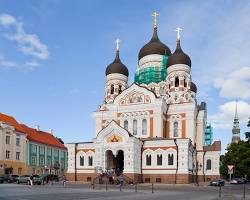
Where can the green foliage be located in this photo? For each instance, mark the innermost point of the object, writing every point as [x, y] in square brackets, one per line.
[238, 154]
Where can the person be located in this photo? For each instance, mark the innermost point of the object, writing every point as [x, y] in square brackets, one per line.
[31, 180]
[121, 179]
[64, 181]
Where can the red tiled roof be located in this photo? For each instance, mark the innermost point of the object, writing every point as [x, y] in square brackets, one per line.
[42, 137]
[11, 120]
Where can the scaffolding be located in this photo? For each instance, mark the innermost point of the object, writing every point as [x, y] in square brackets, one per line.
[152, 74]
[208, 135]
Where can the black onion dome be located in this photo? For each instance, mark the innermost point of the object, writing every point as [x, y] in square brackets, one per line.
[117, 67]
[155, 46]
[193, 87]
[179, 57]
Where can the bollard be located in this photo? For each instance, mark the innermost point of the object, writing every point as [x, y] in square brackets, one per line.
[106, 187]
[244, 191]
[152, 188]
[136, 187]
[120, 187]
[220, 191]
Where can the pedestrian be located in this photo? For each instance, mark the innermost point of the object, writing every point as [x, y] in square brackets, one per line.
[31, 180]
[121, 180]
[64, 181]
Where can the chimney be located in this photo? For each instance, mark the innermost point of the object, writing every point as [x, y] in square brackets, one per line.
[51, 131]
[37, 127]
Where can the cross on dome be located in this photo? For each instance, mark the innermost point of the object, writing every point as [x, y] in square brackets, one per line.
[117, 41]
[155, 14]
[178, 30]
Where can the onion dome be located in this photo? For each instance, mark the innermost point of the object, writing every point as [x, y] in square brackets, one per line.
[117, 66]
[155, 46]
[179, 57]
[193, 87]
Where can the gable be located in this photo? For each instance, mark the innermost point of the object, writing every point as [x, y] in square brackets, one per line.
[134, 95]
[113, 133]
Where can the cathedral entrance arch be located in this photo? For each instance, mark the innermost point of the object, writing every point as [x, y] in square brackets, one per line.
[115, 162]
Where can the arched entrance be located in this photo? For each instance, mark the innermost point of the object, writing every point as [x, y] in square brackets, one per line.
[115, 162]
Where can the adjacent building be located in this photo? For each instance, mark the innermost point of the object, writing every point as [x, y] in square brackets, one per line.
[152, 130]
[13, 146]
[26, 150]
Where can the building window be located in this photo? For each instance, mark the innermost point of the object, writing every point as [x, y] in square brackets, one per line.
[209, 164]
[176, 82]
[120, 89]
[17, 155]
[175, 129]
[148, 160]
[41, 160]
[33, 160]
[170, 159]
[134, 127]
[19, 170]
[90, 161]
[7, 139]
[144, 127]
[7, 156]
[126, 124]
[185, 83]
[49, 162]
[41, 150]
[81, 160]
[17, 141]
[112, 89]
[159, 159]
[33, 149]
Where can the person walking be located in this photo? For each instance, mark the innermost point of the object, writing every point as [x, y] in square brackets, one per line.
[31, 180]
[64, 181]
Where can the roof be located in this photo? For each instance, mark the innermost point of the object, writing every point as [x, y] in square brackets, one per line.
[42, 137]
[154, 46]
[11, 120]
[117, 67]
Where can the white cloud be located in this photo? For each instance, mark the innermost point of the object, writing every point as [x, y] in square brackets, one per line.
[32, 63]
[28, 44]
[224, 118]
[235, 85]
[7, 63]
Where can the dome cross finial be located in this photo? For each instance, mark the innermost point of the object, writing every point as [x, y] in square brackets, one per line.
[178, 30]
[155, 14]
[117, 41]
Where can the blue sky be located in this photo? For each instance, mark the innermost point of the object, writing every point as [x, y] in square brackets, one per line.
[53, 56]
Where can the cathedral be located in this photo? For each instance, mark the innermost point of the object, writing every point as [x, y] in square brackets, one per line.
[152, 130]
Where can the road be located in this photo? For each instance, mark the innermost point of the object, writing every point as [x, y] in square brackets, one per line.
[144, 192]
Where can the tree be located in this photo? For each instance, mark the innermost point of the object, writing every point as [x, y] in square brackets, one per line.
[238, 154]
[248, 133]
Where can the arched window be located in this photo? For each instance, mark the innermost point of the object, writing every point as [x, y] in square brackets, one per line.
[126, 124]
[170, 159]
[175, 129]
[120, 89]
[176, 82]
[134, 127]
[90, 161]
[144, 127]
[81, 160]
[148, 160]
[112, 89]
[159, 159]
[185, 83]
[209, 164]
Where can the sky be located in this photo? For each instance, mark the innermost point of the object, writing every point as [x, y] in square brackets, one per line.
[53, 56]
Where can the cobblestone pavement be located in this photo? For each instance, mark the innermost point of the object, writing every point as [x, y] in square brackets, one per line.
[144, 192]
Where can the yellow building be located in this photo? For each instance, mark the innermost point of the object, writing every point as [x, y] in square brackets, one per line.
[13, 146]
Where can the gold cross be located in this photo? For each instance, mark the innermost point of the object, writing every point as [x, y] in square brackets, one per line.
[178, 30]
[155, 14]
[118, 41]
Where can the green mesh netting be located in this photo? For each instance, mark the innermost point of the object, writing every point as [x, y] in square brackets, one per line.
[152, 74]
